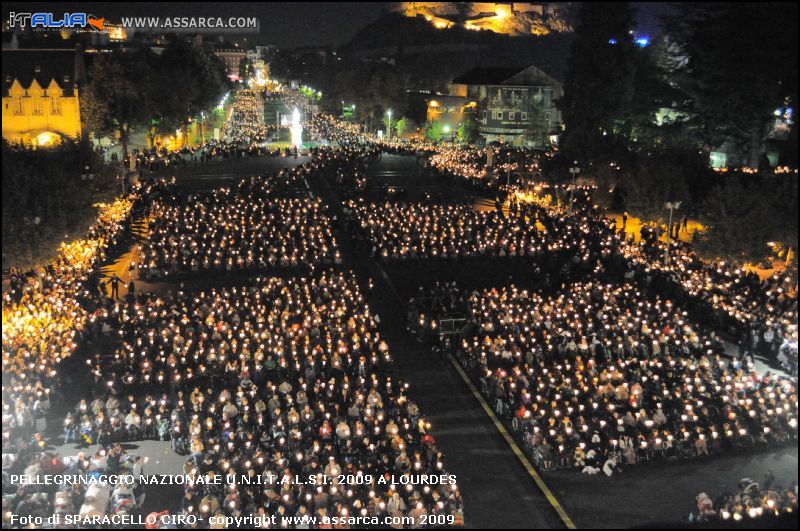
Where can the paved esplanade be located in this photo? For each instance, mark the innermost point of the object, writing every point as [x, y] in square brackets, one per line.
[497, 490]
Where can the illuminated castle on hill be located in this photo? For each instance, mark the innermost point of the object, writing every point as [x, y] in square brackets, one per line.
[508, 18]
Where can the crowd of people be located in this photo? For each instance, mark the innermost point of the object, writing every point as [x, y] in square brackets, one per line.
[429, 230]
[760, 313]
[227, 231]
[603, 376]
[102, 483]
[245, 136]
[246, 123]
[279, 379]
[46, 313]
[42, 309]
[489, 168]
[751, 502]
[290, 377]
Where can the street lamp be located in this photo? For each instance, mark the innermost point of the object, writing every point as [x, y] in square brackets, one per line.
[575, 170]
[389, 127]
[671, 206]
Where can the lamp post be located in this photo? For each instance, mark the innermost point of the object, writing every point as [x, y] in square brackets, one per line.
[671, 206]
[574, 170]
[202, 127]
[389, 127]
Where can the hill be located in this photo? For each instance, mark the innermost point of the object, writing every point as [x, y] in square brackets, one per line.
[432, 56]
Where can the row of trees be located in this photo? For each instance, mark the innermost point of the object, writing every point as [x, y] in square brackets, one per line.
[374, 88]
[141, 91]
[643, 119]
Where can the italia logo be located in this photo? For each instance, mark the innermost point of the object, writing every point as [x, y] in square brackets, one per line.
[51, 21]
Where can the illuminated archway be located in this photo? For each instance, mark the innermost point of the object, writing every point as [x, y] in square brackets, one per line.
[47, 139]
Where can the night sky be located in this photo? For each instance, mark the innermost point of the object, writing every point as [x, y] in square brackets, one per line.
[285, 24]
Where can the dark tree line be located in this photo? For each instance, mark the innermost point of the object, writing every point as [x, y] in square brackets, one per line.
[48, 196]
[643, 120]
[141, 91]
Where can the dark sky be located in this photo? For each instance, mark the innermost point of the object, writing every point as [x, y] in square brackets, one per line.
[285, 24]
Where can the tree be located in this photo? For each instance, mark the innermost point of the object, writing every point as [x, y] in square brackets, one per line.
[193, 82]
[468, 128]
[112, 103]
[653, 180]
[538, 126]
[745, 213]
[598, 89]
[47, 194]
[434, 131]
[404, 125]
[372, 87]
[735, 63]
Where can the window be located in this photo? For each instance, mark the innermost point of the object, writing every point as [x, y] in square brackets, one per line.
[511, 115]
[36, 108]
[524, 116]
[499, 115]
[55, 106]
[484, 115]
[19, 109]
[547, 116]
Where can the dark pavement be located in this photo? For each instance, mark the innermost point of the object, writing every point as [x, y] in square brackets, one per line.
[661, 494]
[406, 173]
[196, 176]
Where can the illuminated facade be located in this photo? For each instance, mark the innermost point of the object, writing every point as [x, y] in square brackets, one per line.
[41, 95]
[508, 100]
[448, 109]
[231, 58]
[508, 18]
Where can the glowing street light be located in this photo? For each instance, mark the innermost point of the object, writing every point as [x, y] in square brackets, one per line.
[389, 127]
